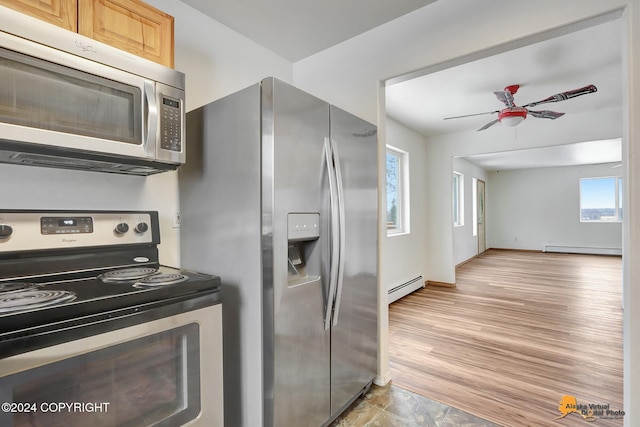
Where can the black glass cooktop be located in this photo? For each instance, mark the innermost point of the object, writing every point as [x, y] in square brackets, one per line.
[25, 304]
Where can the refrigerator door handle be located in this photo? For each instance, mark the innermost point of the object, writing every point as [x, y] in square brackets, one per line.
[334, 234]
[341, 233]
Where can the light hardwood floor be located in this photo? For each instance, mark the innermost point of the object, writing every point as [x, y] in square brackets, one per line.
[520, 331]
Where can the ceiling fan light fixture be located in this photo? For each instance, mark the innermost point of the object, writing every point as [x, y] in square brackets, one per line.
[512, 121]
[512, 116]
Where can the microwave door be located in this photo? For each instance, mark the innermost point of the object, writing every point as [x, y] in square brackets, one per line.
[82, 105]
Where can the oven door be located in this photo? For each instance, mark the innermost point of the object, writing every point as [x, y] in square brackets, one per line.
[164, 372]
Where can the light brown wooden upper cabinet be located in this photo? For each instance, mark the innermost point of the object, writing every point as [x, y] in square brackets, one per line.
[63, 13]
[130, 25]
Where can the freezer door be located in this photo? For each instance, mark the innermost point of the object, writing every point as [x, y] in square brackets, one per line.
[295, 246]
[221, 234]
[354, 330]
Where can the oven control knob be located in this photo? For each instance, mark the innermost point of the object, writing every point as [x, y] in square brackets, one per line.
[141, 227]
[121, 228]
[5, 231]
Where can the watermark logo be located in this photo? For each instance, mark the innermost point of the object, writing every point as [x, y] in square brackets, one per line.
[590, 412]
[85, 48]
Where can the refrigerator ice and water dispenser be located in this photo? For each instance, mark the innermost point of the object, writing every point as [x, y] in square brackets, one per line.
[303, 232]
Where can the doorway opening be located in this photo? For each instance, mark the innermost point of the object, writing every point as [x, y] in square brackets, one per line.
[464, 142]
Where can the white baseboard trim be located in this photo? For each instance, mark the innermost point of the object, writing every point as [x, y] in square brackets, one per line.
[582, 250]
[405, 288]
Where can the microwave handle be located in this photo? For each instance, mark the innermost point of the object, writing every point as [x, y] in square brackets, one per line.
[151, 118]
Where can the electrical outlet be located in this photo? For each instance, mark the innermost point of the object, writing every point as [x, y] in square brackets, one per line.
[176, 220]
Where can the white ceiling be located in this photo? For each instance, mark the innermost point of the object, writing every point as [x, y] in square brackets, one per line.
[295, 29]
[589, 56]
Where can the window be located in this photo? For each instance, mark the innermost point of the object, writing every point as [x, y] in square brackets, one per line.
[458, 198]
[397, 191]
[474, 206]
[601, 199]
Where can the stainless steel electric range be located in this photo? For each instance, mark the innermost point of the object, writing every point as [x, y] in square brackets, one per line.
[94, 331]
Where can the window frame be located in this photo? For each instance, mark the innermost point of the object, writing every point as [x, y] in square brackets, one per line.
[617, 195]
[457, 198]
[474, 207]
[401, 225]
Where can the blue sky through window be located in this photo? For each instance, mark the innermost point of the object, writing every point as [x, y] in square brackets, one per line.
[393, 166]
[598, 193]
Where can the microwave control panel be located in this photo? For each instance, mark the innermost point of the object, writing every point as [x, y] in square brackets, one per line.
[170, 125]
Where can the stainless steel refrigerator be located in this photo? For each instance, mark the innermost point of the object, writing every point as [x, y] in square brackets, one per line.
[279, 197]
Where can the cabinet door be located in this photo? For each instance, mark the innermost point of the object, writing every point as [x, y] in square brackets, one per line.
[62, 13]
[129, 25]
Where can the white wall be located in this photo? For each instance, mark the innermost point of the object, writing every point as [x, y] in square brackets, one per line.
[465, 244]
[216, 61]
[529, 208]
[404, 255]
[43, 188]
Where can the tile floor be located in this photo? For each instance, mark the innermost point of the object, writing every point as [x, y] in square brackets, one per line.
[392, 406]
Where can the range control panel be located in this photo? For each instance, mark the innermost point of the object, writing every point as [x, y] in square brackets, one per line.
[21, 231]
[66, 225]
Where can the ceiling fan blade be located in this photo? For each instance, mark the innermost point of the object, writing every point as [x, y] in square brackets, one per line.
[506, 97]
[545, 114]
[471, 115]
[488, 125]
[565, 95]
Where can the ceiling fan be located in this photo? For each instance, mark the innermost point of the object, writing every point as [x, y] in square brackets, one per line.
[512, 115]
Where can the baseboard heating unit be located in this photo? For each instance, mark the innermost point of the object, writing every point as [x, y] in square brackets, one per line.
[567, 249]
[405, 288]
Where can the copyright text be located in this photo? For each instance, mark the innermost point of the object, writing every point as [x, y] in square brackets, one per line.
[54, 407]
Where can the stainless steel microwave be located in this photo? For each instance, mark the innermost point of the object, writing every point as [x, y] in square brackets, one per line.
[68, 101]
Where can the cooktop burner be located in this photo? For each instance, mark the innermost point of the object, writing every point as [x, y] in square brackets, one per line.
[160, 279]
[17, 286]
[127, 274]
[31, 299]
